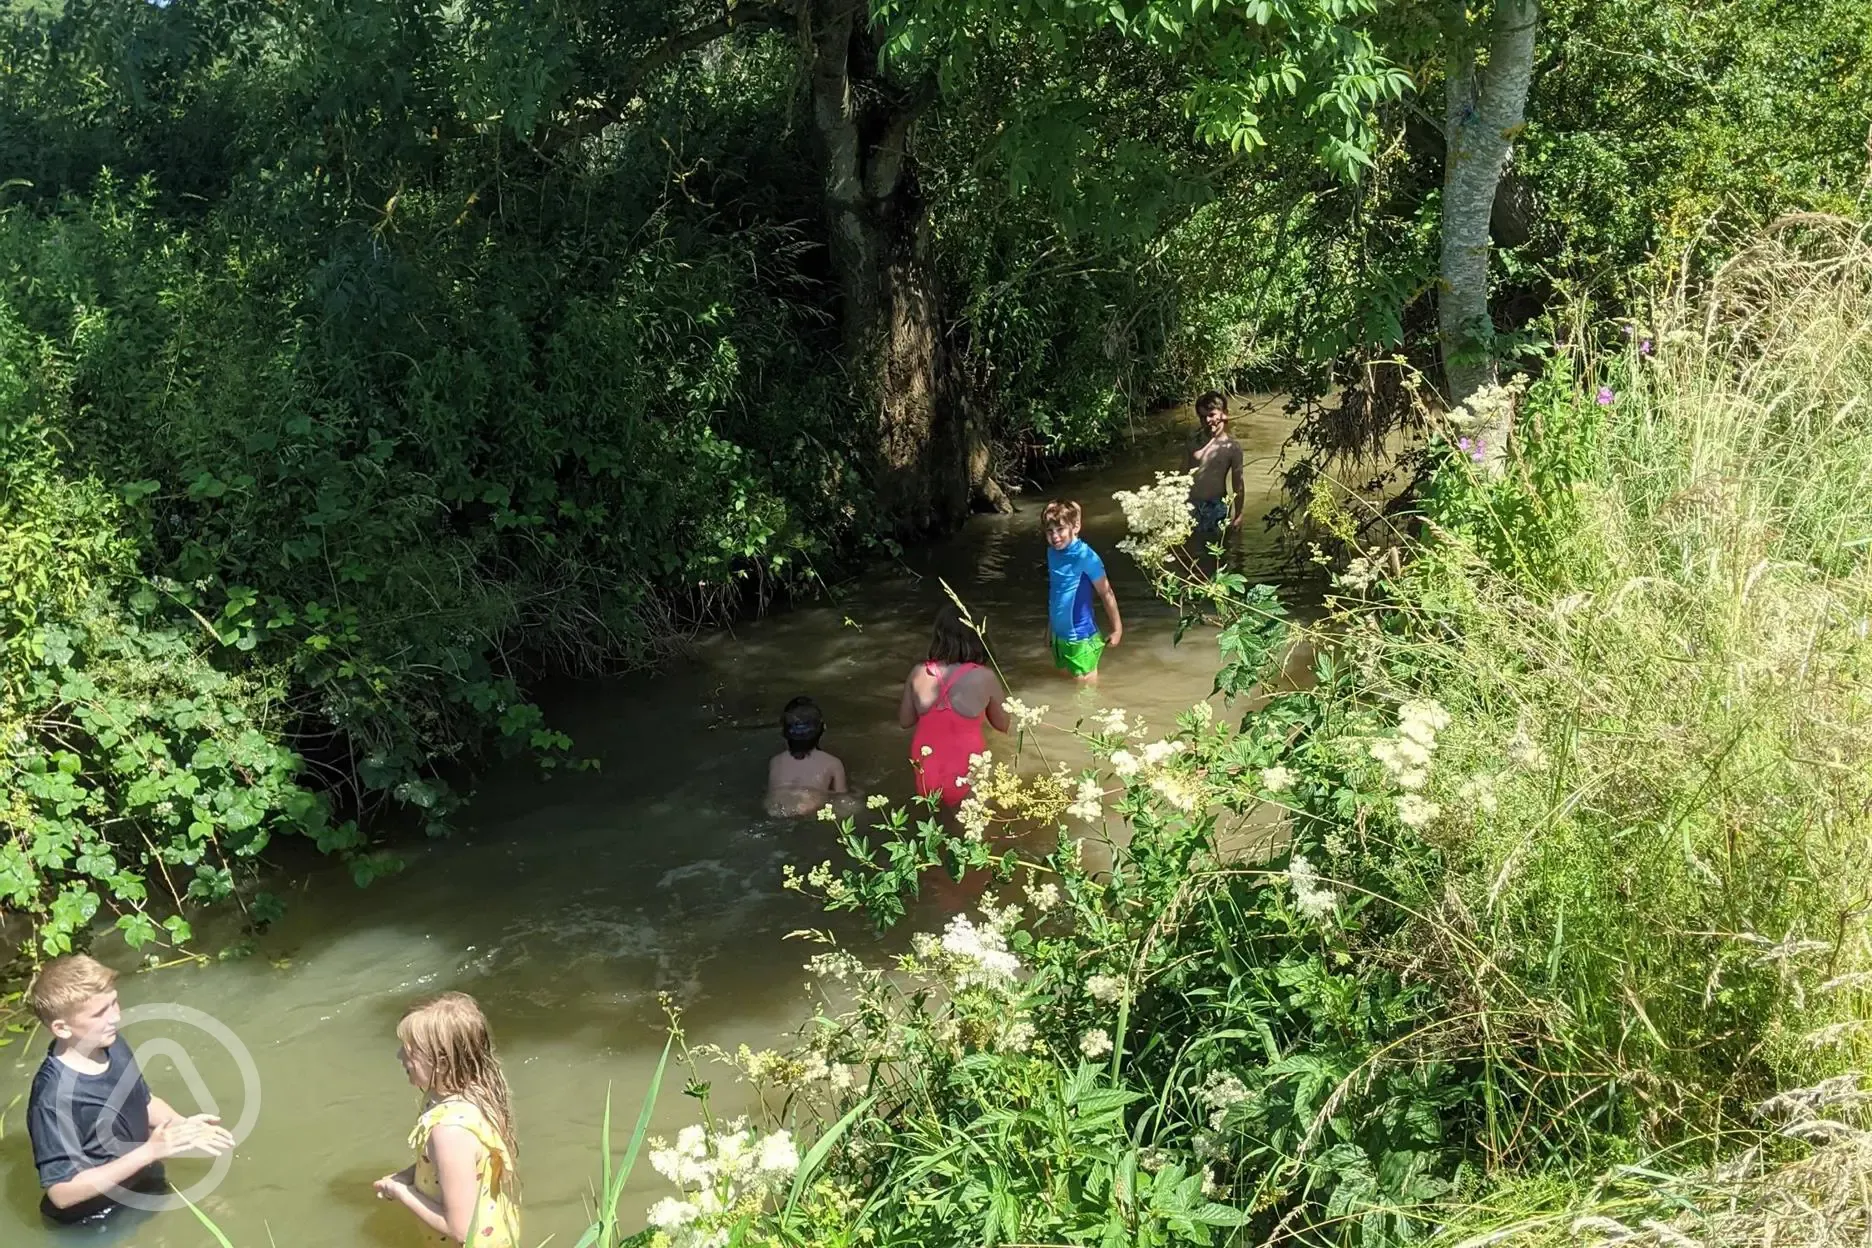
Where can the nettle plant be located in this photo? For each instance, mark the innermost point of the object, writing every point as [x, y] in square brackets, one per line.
[1176, 1022]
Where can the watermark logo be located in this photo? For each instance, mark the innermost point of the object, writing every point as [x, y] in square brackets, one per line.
[91, 1118]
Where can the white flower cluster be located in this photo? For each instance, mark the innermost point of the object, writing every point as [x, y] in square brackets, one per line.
[1088, 805]
[1159, 516]
[1313, 899]
[1491, 407]
[1042, 897]
[1219, 1092]
[1276, 779]
[1111, 721]
[1360, 574]
[973, 957]
[1024, 716]
[1018, 1035]
[1406, 757]
[719, 1175]
[827, 814]
[1106, 989]
[877, 801]
[1151, 763]
[1096, 1043]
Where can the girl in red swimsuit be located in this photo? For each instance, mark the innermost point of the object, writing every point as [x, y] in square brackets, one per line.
[945, 699]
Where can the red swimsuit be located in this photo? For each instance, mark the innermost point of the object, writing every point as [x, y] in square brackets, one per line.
[943, 740]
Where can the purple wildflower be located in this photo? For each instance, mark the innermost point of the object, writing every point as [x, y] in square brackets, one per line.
[1478, 452]
[1644, 347]
[1605, 397]
[1630, 329]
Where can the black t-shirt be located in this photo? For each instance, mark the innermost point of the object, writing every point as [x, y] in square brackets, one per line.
[78, 1121]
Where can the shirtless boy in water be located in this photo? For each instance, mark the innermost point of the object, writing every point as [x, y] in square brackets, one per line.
[802, 777]
[1215, 459]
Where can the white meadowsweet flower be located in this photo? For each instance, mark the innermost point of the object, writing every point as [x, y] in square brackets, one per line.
[1106, 989]
[1159, 518]
[1414, 812]
[973, 814]
[1018, 1036]
[1177, 790]
[1110, 721]
[1157, 753]
[1042, 897]
[1360, 574]
[670, 1214]
[1124, 764]
[778, 1155]
[1221, 1090]
[840, 1078]
[692, 1140]
[1312, 898]
[1088, 805]
[1096, 1043]
[1024, 716]
[1276, 779]
[981, 952]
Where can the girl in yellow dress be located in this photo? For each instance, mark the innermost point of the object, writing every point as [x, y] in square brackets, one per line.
[462, 1185]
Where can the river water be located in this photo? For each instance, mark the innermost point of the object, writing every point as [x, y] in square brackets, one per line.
[567, 906]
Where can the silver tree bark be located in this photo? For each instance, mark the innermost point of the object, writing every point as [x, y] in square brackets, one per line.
[1485, 109]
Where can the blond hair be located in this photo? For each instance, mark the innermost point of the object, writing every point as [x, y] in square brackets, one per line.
[1062, 511]
[449, 1035]
[66, 983]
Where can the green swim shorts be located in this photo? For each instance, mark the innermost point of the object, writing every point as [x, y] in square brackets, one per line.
[1078, 658]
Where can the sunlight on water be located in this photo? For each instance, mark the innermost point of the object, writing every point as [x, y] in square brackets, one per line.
[567, 906]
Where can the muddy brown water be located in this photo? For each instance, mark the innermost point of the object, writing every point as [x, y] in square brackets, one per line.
[567, 906]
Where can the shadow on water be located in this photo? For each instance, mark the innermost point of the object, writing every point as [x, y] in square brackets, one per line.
[567, 906]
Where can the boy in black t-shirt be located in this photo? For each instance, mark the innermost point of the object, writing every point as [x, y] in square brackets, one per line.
[96, 1130]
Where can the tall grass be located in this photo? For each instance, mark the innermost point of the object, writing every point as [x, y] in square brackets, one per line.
[1655, 856]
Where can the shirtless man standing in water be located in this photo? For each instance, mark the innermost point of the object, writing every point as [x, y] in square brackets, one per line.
[1215, 459]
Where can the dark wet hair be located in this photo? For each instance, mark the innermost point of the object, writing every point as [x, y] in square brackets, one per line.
[802, 724]
[955, 639]
[1214, 401]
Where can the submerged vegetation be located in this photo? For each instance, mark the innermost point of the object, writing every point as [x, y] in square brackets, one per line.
[1539, 915]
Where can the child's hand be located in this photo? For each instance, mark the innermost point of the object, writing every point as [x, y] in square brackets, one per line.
[202, 1133]
[392, 1186]
[1117, 635]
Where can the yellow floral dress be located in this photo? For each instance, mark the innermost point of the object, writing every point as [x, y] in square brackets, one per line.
[497, 1209]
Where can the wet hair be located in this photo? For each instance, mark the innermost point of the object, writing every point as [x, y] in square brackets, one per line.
[955, 639]
[802, 724]
[449, 1036]
[1214, 401]
[67, 983]
[1061, 511]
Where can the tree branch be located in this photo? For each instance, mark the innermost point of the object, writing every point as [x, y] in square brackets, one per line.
[611, 111]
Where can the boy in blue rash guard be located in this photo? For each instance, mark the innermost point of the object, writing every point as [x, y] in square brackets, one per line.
[1075, 574]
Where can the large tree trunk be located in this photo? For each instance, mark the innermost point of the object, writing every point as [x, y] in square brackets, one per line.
[891, 306]
[1483, 118]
